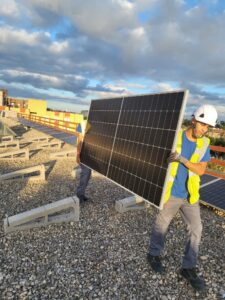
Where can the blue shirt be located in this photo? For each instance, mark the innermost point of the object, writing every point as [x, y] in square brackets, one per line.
[179, 188]
[78, 129]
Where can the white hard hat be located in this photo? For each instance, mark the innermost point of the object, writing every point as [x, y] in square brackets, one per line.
[206, 114]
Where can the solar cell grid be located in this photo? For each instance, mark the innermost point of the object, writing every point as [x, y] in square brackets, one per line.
[213, 194]
[102, 124]
[134, 135]
[207, 178]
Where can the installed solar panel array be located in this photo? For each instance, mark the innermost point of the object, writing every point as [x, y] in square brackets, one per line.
[212, 191]
[129, 139]
[68, 138]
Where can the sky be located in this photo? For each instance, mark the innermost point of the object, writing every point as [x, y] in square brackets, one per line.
[72, 51]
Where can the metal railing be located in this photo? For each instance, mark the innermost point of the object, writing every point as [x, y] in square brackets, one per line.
[217, 161]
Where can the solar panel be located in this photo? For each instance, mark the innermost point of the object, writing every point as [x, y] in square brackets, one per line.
[212, 193]
[128, 140]
[205, 179]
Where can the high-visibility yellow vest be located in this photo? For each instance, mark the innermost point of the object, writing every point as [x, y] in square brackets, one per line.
[193, 182]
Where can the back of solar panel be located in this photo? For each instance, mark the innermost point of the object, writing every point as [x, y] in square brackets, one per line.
[128, 140]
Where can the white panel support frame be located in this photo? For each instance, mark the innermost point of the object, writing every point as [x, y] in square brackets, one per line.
[22, 154]
[64, 210]
[64, 154]
[24, 173]
[55, 144]
[130, 203]
[10, 144]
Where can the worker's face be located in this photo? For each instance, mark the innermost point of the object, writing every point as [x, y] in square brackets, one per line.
[199, 129]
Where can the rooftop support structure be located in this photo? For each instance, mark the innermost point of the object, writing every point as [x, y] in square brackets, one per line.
[17, 154]
[40, 139]
[130, 203]
[60, 211]
[10, 144]
[32, 174]
[64, 154]
[7, 138]
[53, 144]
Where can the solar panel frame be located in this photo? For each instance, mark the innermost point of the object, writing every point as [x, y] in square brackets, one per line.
[135, 105]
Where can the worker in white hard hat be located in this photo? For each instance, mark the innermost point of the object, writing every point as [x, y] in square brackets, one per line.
[182, 194]
[85, 173]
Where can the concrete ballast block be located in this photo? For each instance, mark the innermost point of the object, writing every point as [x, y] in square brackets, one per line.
[10, 144]
[7, 138]
[24, 173]
[17, 154]
[56, 144]
[40, 139]
[76, 172]
[64, 210]
[64, 154]
[130, 203]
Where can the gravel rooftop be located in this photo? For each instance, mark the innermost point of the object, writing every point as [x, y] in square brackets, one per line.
[103, 256]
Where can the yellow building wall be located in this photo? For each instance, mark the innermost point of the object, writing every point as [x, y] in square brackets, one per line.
[50, 115]
[20, 110]
[4, 108]
[39, 107]
[1, 98]
[76, 118]
[17, 109]
[69, 117]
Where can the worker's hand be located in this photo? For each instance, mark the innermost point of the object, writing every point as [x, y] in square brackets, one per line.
[78, 157]
[175, 157]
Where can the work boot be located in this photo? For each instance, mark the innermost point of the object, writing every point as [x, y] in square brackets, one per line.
[82, 198]
[191, 276]
[85, 198]
[155, 263]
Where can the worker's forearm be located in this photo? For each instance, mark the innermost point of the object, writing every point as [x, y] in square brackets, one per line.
[198, 168]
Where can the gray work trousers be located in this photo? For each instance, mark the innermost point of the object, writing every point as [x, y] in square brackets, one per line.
[191, 216]
[84, 179]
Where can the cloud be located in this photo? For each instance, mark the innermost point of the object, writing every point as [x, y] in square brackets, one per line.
[162, 87]
[71, 83]
[65, 45]
[9, 8]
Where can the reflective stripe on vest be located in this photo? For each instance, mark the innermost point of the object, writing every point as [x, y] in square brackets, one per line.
[193, 179]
